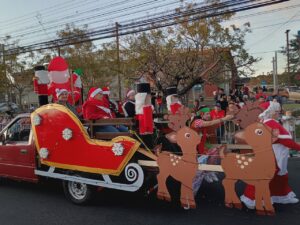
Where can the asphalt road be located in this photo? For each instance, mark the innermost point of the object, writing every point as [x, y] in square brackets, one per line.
[39, 204]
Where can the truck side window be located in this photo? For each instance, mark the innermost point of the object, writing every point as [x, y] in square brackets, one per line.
[19, 131]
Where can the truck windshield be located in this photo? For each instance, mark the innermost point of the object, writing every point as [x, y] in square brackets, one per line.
[19, 131]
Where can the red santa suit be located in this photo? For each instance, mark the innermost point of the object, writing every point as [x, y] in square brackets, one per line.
[94, 109]
[279, 187]
[144, 113]
[60, 79]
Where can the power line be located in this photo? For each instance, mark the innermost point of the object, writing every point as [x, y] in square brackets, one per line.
[152, 20]
[275, 30]
[265, 52]
[108, 31]
[275, 24]
[49, 11]
[27, 16]
[30, 33]
[72, 16]
[159, 22]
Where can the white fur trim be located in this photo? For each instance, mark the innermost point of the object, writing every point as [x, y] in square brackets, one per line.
[281, 153]
[107, 110]
[106, 92]
[140, 102]
[123, 107]
[269, 112]
[286, 199]
[60, 91]
[285, 136]
[97, 91]
[124, 110]
[130, 93]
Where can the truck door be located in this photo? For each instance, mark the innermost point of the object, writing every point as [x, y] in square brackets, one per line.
[17, 151]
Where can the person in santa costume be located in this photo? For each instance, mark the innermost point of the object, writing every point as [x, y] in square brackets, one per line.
[96, 108]
[62, 96]
[40, 84]
[129, 104]
[59, 76]
[110, 104]
[173, 102]
[279, 187]
[144, 113]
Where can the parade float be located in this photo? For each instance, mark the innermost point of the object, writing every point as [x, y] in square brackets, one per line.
[52, 142]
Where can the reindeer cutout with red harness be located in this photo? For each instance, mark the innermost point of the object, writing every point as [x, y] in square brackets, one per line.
[181, 168]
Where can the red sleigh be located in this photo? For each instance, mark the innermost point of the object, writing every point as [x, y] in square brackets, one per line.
[63, 142]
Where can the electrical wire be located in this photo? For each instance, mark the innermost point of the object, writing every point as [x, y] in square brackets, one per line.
[154, 23]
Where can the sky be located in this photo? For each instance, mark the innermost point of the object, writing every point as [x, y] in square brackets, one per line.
[17, 17]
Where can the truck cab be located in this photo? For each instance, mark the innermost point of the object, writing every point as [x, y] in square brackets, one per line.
[17, 150]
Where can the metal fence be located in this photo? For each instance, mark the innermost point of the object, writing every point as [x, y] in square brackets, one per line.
[228, 129]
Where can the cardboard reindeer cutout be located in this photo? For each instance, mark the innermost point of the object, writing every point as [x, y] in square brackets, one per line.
[257, 169]
[182, 168]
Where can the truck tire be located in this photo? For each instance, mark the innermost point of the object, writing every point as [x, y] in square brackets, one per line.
[78, 193]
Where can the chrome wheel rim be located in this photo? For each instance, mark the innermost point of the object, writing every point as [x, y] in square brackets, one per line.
[77, 190]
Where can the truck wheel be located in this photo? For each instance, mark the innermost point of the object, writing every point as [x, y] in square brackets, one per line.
[78, 193]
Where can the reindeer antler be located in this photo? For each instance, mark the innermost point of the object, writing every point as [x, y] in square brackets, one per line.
[178, 120]
[246, 115]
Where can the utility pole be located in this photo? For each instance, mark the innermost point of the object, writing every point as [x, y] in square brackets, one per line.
[4, 69]
[118, 61]
[275, 80]
[288, 55]
[3, 59]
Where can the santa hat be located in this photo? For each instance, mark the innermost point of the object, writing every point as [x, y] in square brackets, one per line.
[57, 64]
[264, 105]
[60, 91]
[270, 108]
[105, 91]
[94, 91]
[130, 92]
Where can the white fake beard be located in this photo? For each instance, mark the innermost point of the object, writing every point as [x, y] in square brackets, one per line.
[59, 77]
